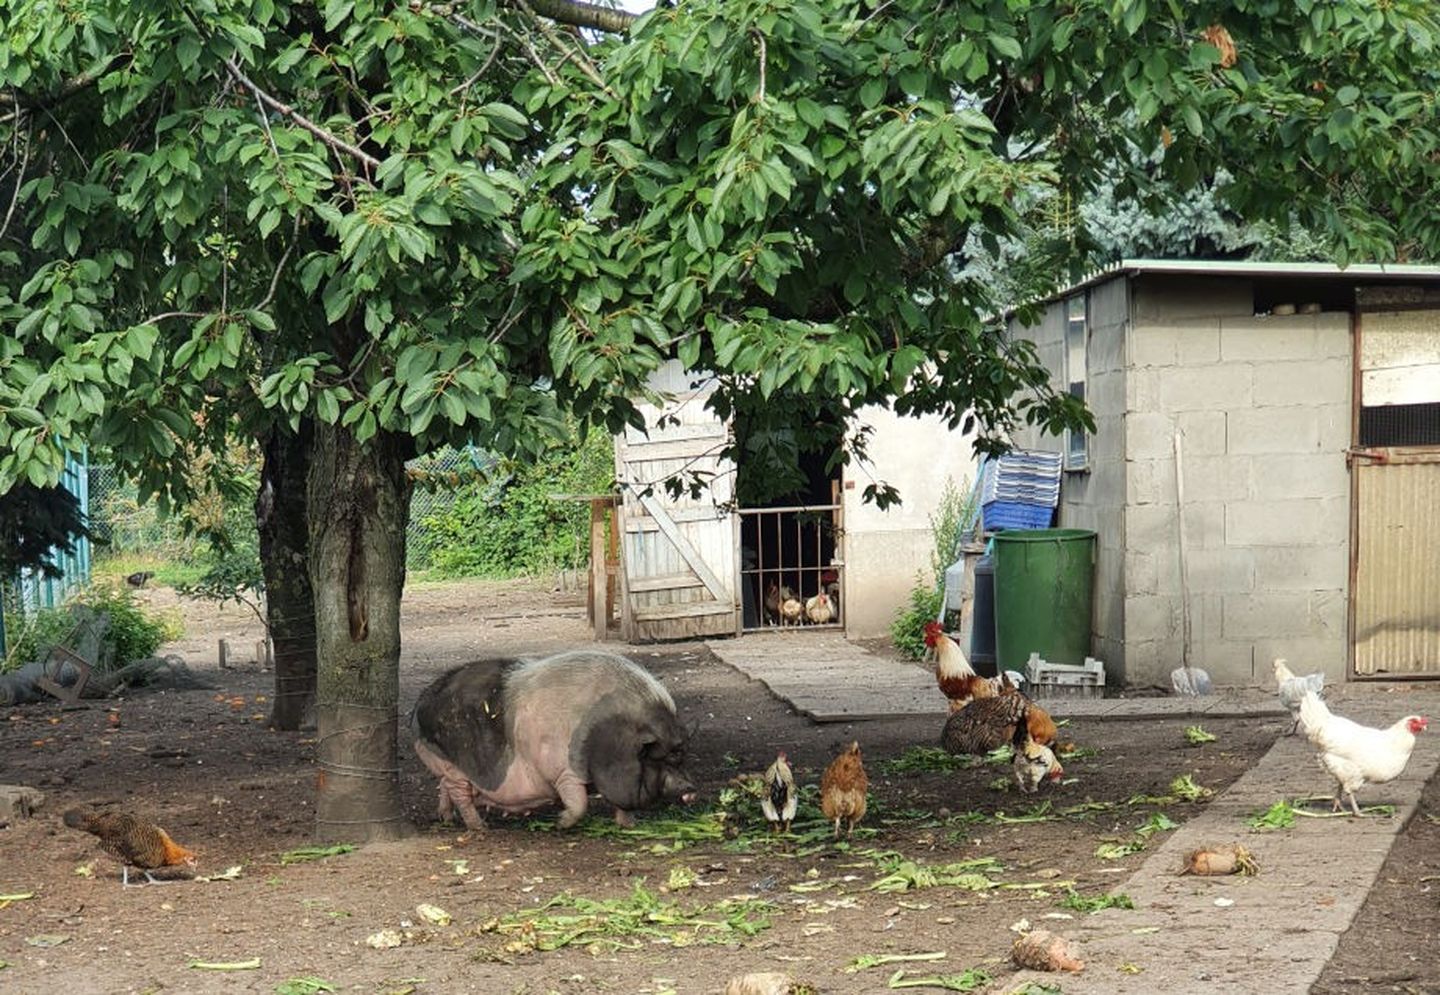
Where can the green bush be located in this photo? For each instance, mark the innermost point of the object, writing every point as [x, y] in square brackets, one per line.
[511, 526]
[954, 516]
[907, 631]
[134, 633]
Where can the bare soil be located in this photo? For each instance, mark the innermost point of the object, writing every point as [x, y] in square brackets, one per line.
[204, 765]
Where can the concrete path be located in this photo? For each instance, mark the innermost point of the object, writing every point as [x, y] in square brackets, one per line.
[1271, 934]
[828, 679]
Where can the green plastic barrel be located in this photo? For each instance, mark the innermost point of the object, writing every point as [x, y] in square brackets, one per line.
[1044, 587]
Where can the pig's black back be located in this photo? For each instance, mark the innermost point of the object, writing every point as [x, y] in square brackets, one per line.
[461, 715]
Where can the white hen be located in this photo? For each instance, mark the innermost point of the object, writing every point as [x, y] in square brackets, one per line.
[1292, 689]
[1356, 755]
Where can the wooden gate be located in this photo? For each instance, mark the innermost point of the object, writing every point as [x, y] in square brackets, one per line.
[1395, 598]
[678, 553]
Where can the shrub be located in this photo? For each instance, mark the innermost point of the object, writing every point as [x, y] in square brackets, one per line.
[907, 631]
[951, 520]
[510, 526]
[133, 634]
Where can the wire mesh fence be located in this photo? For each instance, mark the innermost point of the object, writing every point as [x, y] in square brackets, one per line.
[122, 525]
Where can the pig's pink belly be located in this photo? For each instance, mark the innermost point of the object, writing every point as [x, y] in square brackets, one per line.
[522, 791]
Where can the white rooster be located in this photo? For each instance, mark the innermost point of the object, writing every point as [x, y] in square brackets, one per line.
[1292, 689]
[1356, 755]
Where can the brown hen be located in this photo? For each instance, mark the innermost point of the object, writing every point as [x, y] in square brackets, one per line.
[132, 841]
[987, 723]
[843, 789]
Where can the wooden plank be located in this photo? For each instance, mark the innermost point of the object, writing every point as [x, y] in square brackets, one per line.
[682, 546]
[666, 582]
[599, 610]
[708, 513]
[694, 608]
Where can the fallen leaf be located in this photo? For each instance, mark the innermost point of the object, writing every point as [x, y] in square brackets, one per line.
[433, 914]
[47, 940]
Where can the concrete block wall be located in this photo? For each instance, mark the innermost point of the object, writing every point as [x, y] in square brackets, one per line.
[1263, 404]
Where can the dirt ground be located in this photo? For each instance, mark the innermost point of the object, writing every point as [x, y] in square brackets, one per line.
[680, 906]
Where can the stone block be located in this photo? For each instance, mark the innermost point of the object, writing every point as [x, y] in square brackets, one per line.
[1204, 432]
[1216, 478]
[1223, 570]
[1286, 476]
[1150, 528]
[1255, 615]
[1155, 345]
[1305, 382]
[1303, 522]
[1335, 427]
[1142, 390]
[1200, 344]
[1142, 573]
[1223, 387]
[1149, 436]
[1152, 617]
[1166, 298]
[1273, 430]
[1268, 338]
[1150, 481]
[18, 801]
[1334, 337]
[1320, 567]
[1205, 526]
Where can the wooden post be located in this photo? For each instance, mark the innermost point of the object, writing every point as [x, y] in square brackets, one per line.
[224, 655]
[599, 602]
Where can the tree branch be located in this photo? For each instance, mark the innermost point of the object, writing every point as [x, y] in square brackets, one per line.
[585, 15]
[334, 141]
[576, 55]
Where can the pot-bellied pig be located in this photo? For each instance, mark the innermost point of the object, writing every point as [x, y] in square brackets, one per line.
[516, 736]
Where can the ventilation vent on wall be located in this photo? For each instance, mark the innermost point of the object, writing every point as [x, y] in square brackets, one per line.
[1400, 425]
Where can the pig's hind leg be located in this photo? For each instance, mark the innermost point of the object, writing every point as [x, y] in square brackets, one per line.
[575, 796]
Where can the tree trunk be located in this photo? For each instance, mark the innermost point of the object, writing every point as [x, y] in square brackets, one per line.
[359, 504]
[285, 558]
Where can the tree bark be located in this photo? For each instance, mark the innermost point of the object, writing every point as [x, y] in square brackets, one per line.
[280, 514]
[359, 503]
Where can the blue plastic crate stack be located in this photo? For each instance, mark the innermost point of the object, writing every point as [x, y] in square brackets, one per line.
[1020, 490]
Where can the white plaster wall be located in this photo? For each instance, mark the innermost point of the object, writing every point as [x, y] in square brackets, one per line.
[889, 552]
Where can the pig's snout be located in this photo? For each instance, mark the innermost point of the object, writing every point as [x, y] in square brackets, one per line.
[688, 797]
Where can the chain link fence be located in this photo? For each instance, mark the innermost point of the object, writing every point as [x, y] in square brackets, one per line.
[122, 525]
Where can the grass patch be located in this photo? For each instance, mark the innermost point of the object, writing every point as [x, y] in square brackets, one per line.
[607, 925]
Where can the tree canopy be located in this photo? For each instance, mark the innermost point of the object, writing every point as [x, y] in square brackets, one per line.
[413, 223]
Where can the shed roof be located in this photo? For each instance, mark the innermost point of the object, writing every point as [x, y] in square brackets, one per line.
[1367, 272]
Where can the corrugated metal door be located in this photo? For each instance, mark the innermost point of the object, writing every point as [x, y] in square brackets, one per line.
[678, 552]
[1396, 479]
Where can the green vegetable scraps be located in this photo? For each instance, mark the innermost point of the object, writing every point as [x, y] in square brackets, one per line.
[1195, 735]
[253, 964]
[304, 986]
[1281, 815]
[306, 853]
[607, 925]
[927, 759]
[1080, 903]
[910, 875]
[1185, 788]
[972, 979]
[866, 961]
